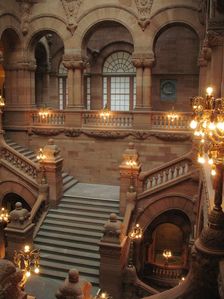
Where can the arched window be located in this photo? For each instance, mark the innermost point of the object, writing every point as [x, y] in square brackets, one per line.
[62, 87]
[119, 82]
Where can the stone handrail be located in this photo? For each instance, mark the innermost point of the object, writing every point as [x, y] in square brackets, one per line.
[53, 118]
[143, 286]
[40, 203]
[115, 120]
[165, 173]
[166, 272]
[161, 120]
[20, 163]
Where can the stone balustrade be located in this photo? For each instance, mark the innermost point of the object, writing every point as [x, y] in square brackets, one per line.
[53, 118]
[161, 120]
[19, 162]
[168, 172]
[115, 120]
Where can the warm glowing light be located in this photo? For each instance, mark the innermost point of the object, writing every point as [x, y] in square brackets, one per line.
[4, 216]
[2, 101]
[43, 112]
[213, 171]
[37, 270]
[209, 90]
[193, 124]
[105, 112]
[201, 159]
[41, 156]
[167, 253]
[26, 248]
[131, 163]
[136, 232]
[28, 274]
[210, 161]
[172, 115]
[212, 126]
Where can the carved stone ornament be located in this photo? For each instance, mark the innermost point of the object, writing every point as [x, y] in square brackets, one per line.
[106, 134]
[73, 132]
[172, 136]
[25, 6]
[45, 132]
[144, 10]
[215, 38]
[71, 8]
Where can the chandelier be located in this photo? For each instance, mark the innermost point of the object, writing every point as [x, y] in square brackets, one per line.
[208, 126]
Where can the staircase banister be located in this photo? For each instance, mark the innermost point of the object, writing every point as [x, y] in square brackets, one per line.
[40, 199]
[145, 287]
[22, 157]
[144, 174]
[127, 217]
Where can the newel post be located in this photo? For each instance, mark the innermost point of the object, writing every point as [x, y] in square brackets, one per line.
[53, 164]
[130, 168]
[19, 230]
[112, 257]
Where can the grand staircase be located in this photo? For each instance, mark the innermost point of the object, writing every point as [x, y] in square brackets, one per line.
[69, 236]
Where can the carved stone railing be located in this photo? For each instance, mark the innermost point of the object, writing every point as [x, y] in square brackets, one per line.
[115, 120]
[19, 163]
[160, 120]
[54, 118]
[166, 173]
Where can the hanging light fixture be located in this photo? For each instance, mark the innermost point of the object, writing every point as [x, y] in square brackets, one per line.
[208, 126]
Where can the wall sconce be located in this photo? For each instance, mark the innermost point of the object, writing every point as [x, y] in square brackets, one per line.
[105, 112]
[172, 115]
[43, 112]
[27, 261]
[41, 156]
[4, 216]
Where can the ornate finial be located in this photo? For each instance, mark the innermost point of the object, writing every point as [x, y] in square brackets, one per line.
[71, 8]
[144, 10]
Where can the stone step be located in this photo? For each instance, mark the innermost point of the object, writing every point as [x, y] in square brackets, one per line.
[68, 197]
[82, 226]
[66, 244]
[70, 260]
[72, 238]
[72, 182]
[69, 207]
[62, 252]
[89, 202]
[61, 275]
[66, 267]
[69, 231]
[104, 215]
[75, 219]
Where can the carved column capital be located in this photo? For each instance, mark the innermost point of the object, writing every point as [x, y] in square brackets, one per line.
[73, 62]
[215, 38]
[143, 60]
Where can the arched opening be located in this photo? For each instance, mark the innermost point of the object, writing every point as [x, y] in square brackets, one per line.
[10, 199]
[170, 233]
[48, 49]
[175, 74]
[115, 48]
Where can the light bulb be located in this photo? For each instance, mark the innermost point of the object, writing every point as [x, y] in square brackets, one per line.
[26, 248]
[209, 90]
[211, 126]
[193, 124]
[28, 273]
[210, 161]
[201, 159]
[37, 270]
[213, 171]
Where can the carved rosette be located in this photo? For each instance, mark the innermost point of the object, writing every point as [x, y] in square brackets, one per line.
[144, 10]
[71, 8]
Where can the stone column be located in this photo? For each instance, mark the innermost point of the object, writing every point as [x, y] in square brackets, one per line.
[129, 171]
[147, 83]
[19, 231]
[216, 42]
[53, 164]
[112, 258]
[20, 84]
[204, 64]
[143, 63]
[75, 66]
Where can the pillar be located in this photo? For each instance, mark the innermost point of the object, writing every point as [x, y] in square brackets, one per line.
[129, 171]
[216, 42]
[53, 164]
[20, 84]
[75, 81]
[19, 230]
[143, 63]
[112, 258]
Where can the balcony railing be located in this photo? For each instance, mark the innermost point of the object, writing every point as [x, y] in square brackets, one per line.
[54, 118]
[161, 120]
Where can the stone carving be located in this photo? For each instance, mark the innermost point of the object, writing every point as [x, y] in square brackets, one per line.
[205, 54]
[74, 288]
[215, 38]
[19, 215]
[73, 132]
[144, 10]
[71, 8]
[106, 134]
[10, 279]
[45, 132]
[25, 6]
[172, 136]
[112, 230]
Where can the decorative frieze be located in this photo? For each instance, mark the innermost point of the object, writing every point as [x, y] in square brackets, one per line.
[144, 10]
[71, 8]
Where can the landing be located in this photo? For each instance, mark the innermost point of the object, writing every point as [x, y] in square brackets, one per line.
[94, 190]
